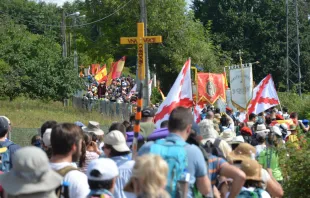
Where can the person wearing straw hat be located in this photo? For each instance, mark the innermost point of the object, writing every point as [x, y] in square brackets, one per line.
[93, 127]
[246, 151]
[31, 175]
[253, 184]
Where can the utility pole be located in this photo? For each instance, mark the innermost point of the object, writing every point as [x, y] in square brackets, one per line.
[143, 19]
[75, 56]
[63, 32]
[293, 73]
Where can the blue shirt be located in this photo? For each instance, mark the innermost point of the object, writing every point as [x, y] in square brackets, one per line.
[195, 160]
[125, 166]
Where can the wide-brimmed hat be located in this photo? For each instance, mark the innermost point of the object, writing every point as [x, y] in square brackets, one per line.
[237, 140]
[93, 127]
[207, 129]
[31, 173]
[252, 169]
[276, 130]
[242, 151]
[227, 135]
[117, 140]
[261, 128]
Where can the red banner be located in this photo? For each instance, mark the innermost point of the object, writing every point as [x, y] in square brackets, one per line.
[211, 87]
[95, 69]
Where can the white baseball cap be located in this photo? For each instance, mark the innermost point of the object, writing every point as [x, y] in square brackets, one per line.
[107, 168]
[47, 137]
[117, 140]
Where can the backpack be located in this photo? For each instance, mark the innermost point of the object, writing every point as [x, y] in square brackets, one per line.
[257, 193]
[63, 190]
[176, 157]
[213, 148]
[5, 165]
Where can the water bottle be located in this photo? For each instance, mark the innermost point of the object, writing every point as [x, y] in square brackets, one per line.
[182, 186]
[65, 189]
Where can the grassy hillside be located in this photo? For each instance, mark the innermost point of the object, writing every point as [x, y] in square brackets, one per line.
[26, 113]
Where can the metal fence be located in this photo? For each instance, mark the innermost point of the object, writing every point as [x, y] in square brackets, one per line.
[22, 136]
[121, 111]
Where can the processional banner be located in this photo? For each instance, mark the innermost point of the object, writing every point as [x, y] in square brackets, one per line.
[241, 85]
[211, 87]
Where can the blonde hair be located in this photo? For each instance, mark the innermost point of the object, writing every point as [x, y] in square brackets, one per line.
[152, 172]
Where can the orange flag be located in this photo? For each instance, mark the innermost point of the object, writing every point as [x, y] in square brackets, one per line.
[95, 69]
[116, 70]
[102, 74]
[211, 87]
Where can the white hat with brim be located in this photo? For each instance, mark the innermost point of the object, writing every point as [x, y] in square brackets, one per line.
[117, 140]
[15, 185]
[237, 140]
[30, 173]
[262, 128]
[93, 127]
[227, 135]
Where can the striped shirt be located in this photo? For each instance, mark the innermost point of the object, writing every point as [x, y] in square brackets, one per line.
[90, 156]
[214, 166]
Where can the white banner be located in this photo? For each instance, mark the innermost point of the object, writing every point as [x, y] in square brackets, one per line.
[228, 101]
[241, 85]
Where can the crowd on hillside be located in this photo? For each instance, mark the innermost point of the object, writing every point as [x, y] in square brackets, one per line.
[218, 157]
[118, 91]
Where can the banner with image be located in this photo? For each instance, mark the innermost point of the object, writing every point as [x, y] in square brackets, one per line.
[241, 85]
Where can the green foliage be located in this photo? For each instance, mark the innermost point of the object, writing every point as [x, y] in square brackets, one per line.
[295, 103]
[295, 168]
[258, 28]
[33, 65]
[156, 96]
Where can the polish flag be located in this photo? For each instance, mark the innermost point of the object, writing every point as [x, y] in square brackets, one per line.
[179, 95]
[264, 96]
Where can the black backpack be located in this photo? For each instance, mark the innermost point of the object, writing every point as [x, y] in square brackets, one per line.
[213, 148]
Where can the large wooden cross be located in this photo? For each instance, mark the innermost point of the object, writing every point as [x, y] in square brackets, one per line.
[140, 40]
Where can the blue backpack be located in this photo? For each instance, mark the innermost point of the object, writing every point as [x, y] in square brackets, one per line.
[257, 193]
[176, 158]
[5, 165]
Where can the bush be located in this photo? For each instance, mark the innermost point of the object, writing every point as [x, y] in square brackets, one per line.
[295, 103]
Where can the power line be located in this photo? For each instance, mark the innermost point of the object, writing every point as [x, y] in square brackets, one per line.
[80, 25]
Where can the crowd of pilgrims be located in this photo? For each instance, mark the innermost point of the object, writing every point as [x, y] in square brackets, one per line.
[218, 157]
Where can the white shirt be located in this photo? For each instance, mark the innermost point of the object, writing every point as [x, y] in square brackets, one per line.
[78, 183]
[264, 194]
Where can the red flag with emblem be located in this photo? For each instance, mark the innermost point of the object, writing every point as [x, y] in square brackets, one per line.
[211, 87]
[264, 96]
[179, 95]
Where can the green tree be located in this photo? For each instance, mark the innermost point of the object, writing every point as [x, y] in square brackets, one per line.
[255, 27]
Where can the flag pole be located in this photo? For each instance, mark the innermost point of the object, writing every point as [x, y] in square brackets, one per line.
[137, 122]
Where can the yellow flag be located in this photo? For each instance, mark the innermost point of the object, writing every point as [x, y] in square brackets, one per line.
[102, 74]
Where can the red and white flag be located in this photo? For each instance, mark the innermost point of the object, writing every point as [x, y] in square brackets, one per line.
[134, 89]
[197, 111]
[264, 96]
[179, 95]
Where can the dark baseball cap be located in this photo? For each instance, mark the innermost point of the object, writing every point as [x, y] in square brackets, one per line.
[148, 112]
[4, 125]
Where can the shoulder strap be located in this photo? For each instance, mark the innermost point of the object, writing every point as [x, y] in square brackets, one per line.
[217, 142]
[6, 144]
[63, 171]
